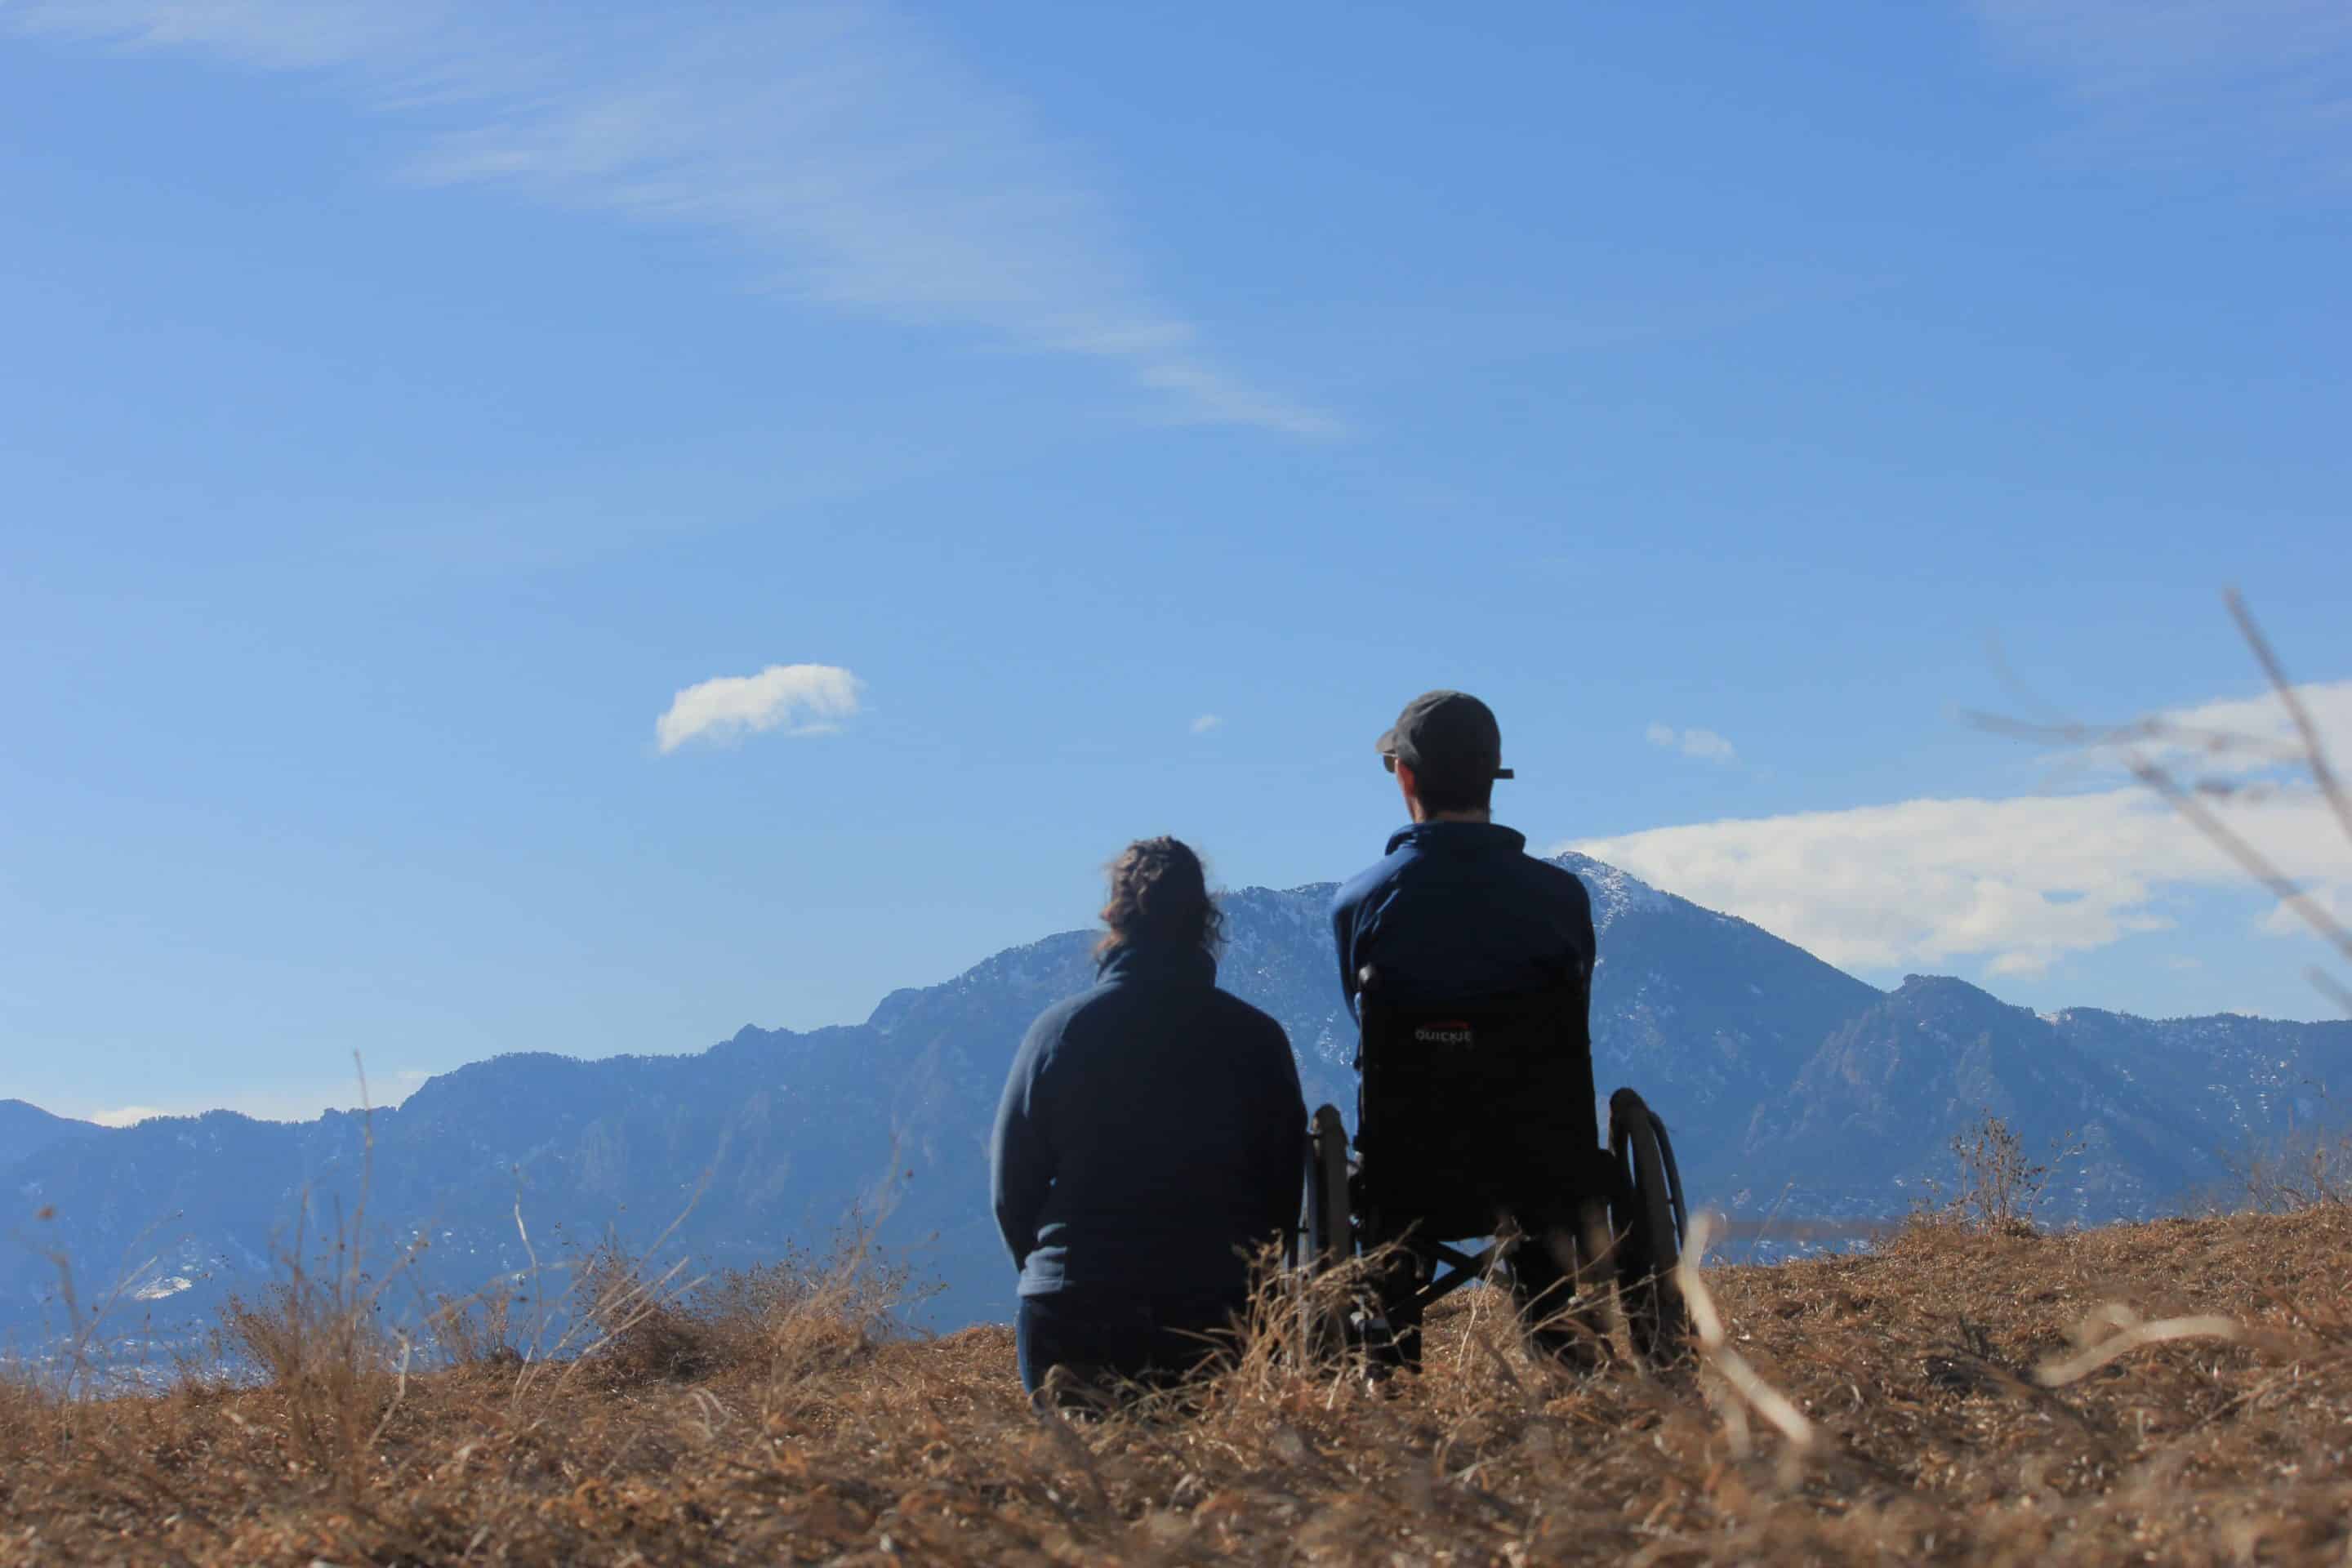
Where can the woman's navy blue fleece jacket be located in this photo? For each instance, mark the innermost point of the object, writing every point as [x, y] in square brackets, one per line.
[1150, 1136]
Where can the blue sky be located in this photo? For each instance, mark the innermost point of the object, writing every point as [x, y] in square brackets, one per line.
[1132, 406]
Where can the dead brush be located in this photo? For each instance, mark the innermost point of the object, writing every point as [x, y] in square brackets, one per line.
[808, 1312]
[803, 1315]
[1285, 1351]
[1285, 1348]
[2301, 1169]
[1999, 1186]
[478, 1330]
[642, 1331]
[313, 1339]
[30, 1412]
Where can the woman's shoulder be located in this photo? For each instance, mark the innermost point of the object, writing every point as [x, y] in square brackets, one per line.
[1234, 1012]
[1056, 1019]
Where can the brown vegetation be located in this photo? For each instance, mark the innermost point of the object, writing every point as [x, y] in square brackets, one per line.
[1998, 1185]
[2179, 1391]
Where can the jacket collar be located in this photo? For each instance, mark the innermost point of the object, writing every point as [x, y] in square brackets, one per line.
[1151, 963]
[1466, 840]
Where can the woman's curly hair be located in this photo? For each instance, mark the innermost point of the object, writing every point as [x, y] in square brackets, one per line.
[1160, 898]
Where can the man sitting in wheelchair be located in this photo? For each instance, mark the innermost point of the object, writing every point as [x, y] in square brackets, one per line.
[1469, 965]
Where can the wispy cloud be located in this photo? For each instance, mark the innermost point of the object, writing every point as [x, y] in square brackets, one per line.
[1207, 722]
[2021, 882]
[2171, 78]
[798, 698]
[837, 142]
[1704, 744]
[2016, 884]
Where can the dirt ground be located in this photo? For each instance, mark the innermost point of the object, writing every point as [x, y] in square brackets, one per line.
[1913, 1405]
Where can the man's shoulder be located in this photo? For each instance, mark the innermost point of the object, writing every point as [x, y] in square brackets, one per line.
[1554, 877]
[1371, 878]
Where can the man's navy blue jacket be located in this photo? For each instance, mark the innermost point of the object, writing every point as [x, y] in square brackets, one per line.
[1457, 912]
[1150, 1135]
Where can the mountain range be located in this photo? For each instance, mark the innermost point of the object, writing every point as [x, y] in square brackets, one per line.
[1795, 1091]
[26, 1130]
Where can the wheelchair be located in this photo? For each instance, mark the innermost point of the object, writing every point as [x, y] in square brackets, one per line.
[1480, 1121]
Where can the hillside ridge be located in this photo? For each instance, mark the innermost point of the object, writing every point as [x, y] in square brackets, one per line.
[1793, 1090]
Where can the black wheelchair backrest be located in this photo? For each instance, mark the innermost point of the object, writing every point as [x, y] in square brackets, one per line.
[1464, 1102]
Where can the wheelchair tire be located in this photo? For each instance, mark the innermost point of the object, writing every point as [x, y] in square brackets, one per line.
[1673, 1184]
[1329, 1239]
[1649, 1238]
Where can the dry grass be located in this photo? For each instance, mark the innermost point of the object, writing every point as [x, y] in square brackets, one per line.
[795, 1430]
[2304, 1170]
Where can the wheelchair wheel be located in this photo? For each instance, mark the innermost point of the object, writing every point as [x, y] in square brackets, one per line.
[1329, 1239]
[1648, 1229]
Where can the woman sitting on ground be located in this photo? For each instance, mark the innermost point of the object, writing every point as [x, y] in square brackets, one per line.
[1148, 1142]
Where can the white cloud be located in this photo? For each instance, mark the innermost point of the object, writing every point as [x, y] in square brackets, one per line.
[2020, 883]
[2241, 736]
[799, 698]
[2017, 883]
[291, 1103]
[1707, 744]
[1704, 744]
[1207, 722]
[2181, 79]
[835, 140]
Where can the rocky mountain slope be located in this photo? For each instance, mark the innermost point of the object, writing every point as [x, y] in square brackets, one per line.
[26, 1130]
[1793, 1090]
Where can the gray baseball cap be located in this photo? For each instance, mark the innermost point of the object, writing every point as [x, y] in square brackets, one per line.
[1448, 735]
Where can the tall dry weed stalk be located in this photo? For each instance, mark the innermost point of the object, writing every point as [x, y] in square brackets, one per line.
[78, 1362]
[314, 1337]
[2143, 746]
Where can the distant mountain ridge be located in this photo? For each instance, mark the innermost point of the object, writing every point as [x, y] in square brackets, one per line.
[26, 1130]
[1794, 1089]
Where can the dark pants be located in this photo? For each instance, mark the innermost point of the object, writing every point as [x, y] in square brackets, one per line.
[1543, 1283]
[1101, 1337]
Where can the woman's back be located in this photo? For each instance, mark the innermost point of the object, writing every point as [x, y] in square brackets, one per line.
[1151, 1133]
[1150, 1141]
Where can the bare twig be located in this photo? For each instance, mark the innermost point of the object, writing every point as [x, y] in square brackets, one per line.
[2252, 860]
[2315, 750]
[2191, 799]
[2074, 1368]
[1728, 1363]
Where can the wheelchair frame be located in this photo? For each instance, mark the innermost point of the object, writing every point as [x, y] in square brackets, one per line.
[1627, 1234]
